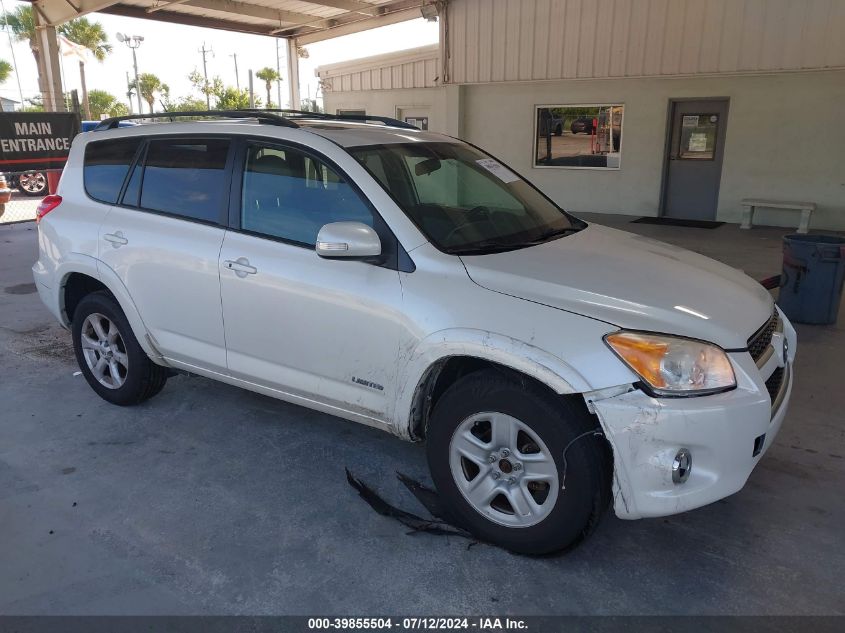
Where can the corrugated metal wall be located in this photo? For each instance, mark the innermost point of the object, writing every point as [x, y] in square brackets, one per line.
[403, 71]
[517, 40]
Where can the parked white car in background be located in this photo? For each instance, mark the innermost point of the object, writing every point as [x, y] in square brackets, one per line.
[409, 281]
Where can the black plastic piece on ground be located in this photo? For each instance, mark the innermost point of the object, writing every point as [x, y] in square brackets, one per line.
[426, 496]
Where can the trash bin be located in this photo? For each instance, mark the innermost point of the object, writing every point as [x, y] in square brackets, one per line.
[811, 283]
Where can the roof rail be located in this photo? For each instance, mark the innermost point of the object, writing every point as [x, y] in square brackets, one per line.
[273, 116]
[304, 114]
[263, 116]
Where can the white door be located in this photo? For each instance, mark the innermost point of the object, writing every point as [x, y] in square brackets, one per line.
[163, 242]
[320, 329]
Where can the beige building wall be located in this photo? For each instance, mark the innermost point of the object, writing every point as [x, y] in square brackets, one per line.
[785, 137]
[785, 140]
[391, 102]
[519, 40]
[781, 63]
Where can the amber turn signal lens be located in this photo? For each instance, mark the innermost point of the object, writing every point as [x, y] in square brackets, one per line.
[642, 354]
[672, 365]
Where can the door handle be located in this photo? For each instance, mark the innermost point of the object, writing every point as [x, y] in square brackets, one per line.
[240, 267]
[116, 239]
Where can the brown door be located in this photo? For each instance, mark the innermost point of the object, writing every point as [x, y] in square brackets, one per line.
[694, 158]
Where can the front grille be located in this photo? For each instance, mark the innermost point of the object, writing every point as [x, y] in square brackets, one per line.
[760, 341]
[774, 383]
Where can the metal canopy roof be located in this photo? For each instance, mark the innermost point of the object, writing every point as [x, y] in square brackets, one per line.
[307, 21]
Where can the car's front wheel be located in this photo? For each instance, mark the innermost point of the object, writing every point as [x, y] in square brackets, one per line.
[112, 361]
[496, 452]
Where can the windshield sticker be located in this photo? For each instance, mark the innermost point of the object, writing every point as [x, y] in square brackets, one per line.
[498, 170]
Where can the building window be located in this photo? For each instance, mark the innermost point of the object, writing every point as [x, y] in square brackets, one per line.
[698, 136]
[573, 136]
[418, 121]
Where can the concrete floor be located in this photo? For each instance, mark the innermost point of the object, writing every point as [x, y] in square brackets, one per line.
[213, 500]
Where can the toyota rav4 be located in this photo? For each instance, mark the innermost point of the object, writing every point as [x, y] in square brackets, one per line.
[409, 281]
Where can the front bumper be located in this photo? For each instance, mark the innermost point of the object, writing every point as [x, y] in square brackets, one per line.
[726, 433]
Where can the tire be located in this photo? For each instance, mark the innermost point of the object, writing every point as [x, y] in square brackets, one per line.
[559, 131]
[33, 184]
[125, 375]
[572, 513]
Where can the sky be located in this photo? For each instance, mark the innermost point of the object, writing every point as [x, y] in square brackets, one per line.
[172, 51]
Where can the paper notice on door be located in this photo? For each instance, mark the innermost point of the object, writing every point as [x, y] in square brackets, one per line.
[690, 120]
[697, 142]
[498, 170]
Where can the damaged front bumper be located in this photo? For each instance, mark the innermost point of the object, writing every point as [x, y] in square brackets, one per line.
[726, 435]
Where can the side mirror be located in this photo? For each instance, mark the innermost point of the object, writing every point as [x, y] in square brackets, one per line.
[348, 239]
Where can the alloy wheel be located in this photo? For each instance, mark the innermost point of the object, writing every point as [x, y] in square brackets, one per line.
[104, 351]
[33, 183]
[503, 469]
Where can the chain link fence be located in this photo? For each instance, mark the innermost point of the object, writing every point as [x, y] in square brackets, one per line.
[27, 190]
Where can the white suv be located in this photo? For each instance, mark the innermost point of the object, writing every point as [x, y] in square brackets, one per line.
[408, 281]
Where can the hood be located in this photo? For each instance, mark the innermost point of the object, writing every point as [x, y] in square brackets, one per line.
[632, 282]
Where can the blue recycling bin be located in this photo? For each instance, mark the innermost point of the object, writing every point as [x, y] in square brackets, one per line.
[811, 282]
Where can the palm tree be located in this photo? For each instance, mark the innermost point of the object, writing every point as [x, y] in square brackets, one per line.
[5, 70]
[149, 85]
[22, 23]
[268, 75]
[104, 103]
[81, 31]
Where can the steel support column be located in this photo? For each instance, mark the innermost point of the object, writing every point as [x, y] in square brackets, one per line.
[293, 75]
[49, 64]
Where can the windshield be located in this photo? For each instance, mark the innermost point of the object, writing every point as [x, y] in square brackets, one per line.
[462, 199]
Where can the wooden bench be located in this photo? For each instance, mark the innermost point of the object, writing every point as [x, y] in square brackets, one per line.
[749, 205]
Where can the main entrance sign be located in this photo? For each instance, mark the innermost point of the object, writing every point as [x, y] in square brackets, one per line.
[36, 141]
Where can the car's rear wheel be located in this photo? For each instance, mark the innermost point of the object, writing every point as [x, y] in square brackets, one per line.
[112, 361]
[496, 453]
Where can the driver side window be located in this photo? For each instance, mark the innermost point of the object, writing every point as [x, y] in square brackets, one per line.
[290, 195]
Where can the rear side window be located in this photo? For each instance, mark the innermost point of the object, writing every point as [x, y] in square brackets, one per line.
[106, 165]
[186, 177]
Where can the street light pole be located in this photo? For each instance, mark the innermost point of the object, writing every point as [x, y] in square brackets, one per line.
[133, 42]
[137, 84]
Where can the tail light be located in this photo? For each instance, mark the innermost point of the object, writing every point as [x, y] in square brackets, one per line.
[47, 204]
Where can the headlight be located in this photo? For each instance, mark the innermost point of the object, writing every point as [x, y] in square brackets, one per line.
[674, 366]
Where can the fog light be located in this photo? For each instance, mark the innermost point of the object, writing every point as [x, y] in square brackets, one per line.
[681, 466]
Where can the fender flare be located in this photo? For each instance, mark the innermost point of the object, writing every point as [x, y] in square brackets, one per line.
[92, 267]
[414, 367]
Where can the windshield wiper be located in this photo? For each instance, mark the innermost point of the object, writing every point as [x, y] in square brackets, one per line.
[490, 246]
[547, 235]
[486, 247]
